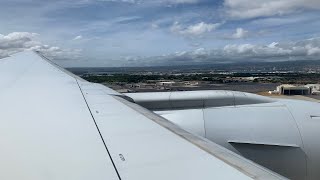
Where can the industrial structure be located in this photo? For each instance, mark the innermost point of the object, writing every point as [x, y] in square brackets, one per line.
[289, 89]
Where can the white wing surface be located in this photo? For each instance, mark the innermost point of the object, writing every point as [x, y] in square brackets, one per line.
[54, 125]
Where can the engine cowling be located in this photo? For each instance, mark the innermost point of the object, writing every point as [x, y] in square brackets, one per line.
[278, 134]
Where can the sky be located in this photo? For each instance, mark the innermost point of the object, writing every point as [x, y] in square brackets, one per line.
[110, 33]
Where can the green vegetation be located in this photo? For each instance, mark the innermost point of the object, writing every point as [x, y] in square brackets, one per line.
[289, 78]
[127, 78]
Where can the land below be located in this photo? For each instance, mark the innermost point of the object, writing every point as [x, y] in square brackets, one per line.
[246, 82]
[256, 78]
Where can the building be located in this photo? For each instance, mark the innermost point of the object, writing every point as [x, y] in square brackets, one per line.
[166, 83]
[287, 89]
[315, 88]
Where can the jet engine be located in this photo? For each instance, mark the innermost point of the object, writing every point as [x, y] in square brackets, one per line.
[276, 133]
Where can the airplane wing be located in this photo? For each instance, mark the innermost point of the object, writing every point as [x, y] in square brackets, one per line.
[55, 125]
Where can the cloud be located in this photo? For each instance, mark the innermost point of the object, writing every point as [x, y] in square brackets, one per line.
[308, 49]
[125, 1]
[154, 26]
[181, 1]
[313, 51]
[77, 38]
[240, 33]
[112, 30]
[19, 41]
[300, 50]
[194, 30]
[273, 45]
[153, 1]
[244, 9]
[57, 53]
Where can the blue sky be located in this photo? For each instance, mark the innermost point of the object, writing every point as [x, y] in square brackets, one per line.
[161, 32]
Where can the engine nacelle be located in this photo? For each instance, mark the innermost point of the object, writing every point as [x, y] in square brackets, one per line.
[278, 134]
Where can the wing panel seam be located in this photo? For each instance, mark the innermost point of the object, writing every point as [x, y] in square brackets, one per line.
[105, 145]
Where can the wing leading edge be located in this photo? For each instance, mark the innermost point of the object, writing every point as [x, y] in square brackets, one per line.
[54, 125]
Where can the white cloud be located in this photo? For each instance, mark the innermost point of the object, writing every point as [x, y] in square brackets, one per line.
[305, 49]
[240, 33]
[126, 1]
[273, 45]
[308, 49]
[20, 41]
[17, 41]
[57, 53]
[194, 30]
[312, 51]
[239, 49]
[153, 1]
[181, 1]
[154, 26]
[78, 37]
[242, 9]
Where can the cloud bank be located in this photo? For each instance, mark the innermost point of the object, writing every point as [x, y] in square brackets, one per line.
[20, 41]
[194, 30]
[244, 9]
[240, 33]
[124, 32]
[308, 49]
